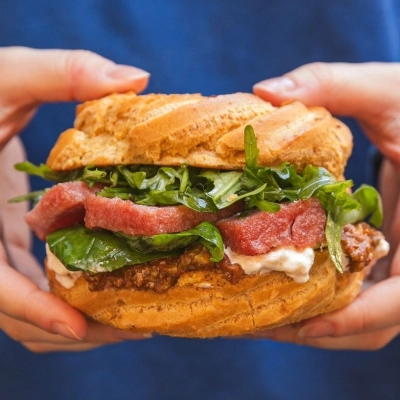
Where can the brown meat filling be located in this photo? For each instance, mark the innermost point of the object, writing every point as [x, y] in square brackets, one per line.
[161, 274]
[358, 243]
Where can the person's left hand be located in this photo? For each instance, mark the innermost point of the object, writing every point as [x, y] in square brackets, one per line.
[370, 93]
[30, 314]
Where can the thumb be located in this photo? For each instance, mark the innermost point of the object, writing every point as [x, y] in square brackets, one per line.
[369, 92]
[355, 90]
[34, 76]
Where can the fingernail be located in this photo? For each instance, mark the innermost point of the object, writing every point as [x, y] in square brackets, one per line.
[321, 329]
[281, 84]
[64, 330]
[126, 72]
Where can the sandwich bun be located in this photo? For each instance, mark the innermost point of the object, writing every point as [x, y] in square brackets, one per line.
[207, 132]
[205, 305]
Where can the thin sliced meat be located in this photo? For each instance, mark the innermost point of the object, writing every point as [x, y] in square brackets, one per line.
[60, 207]
[132, 219]
[300, 224]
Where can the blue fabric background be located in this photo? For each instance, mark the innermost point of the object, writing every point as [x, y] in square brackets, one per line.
[213, 47]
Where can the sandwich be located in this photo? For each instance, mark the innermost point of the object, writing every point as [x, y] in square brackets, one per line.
[195, 216]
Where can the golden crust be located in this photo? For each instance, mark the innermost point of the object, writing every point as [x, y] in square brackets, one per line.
[200, 131]
[192, 310]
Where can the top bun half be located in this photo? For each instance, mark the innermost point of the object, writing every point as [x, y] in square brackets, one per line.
[200, 131]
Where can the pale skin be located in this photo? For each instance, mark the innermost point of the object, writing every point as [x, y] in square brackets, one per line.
[28, 312]
[371, 94]
[42, 323]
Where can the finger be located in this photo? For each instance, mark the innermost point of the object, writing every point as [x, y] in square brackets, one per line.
[389, 188]
[374, 309]
[368, 92]
[30, 77]
[96, 333]
[99, 333]
[390, 194]
[25, 262]
[64, 75]
[346, 89]
[365, 341]
[13, 184]
[21, 299]
[41, 347]
[24, 332]
[395, 267]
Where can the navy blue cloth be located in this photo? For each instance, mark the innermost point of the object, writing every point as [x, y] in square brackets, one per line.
[213, 47]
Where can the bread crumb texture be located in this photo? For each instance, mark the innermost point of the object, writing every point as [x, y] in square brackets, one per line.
[257, 302]
[206, 132]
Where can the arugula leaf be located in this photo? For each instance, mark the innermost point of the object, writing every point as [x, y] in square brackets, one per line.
[251, 150]
[265, 205]
[91, 174]
[43, 171]
[82, 249]
[370, 206]
[194, 199]
[32, 196]
[333, 233]
[134, 179]
[225, 187]
[314, 179]
[206, 232]
[111, 192]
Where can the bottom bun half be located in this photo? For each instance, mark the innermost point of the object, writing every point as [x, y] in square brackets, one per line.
[205, 305]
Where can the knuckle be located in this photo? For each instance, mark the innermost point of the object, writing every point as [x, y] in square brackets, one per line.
[324, 75]
[365, 316]
[321, 80]
[75, 64]
[319, 69]
[76, 59]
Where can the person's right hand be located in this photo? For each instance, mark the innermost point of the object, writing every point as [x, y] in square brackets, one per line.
[28, 312]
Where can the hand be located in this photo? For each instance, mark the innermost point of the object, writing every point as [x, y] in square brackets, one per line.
[28, 78]
[370, 93]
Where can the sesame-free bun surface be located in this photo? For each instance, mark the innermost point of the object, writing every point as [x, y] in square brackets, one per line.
[190, 309]
[200, 131]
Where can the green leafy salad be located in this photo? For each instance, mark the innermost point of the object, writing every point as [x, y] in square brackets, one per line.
[79, 248]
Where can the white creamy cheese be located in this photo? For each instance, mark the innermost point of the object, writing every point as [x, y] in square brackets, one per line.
[295, 263]
[382, 249]
[63, 276]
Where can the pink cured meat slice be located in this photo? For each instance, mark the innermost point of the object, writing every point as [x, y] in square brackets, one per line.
[300, 224]
[132, 219]
[61, 206]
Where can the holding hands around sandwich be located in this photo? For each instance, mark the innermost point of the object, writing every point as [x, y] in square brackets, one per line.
[28, 313]
[44, 323]
[369, 93]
